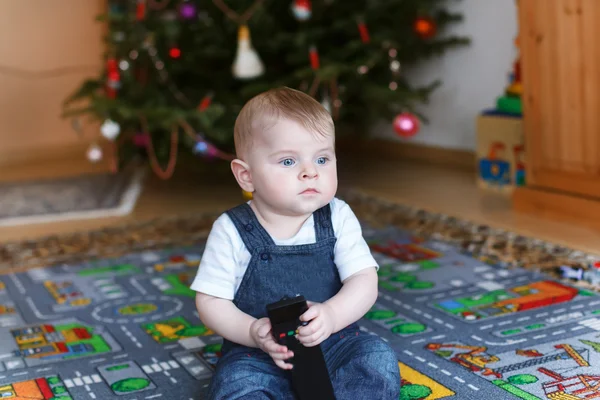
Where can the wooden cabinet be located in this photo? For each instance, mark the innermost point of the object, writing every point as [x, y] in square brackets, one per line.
[560, 57]
[47, 48]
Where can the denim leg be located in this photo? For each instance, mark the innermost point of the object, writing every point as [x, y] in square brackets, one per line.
[249, 374]
[362, 366]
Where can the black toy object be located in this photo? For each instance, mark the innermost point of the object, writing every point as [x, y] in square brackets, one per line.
[310, 378]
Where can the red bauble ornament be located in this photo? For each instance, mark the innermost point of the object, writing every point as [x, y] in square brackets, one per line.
[302, 9]
[113, 78]
[175, 52]
[364, 32]
[406, 124]
[425, 27]
[140, 10]
[205, 103]
[111, 64]
[314, 57]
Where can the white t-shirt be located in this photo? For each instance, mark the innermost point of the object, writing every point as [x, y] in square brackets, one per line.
[226, 258]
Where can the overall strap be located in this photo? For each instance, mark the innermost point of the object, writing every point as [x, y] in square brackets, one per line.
[323, 223]
[251, 231]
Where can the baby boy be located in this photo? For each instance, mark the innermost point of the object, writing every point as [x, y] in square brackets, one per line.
[293, 237]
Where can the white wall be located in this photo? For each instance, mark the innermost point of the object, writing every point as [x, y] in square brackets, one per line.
[472, 77]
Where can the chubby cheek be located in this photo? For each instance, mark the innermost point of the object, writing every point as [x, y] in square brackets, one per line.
[329, 182]
[277, 183]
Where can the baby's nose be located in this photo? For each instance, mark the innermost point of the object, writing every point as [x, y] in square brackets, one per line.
[309, 173]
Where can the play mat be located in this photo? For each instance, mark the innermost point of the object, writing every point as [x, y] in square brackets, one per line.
[467, 320]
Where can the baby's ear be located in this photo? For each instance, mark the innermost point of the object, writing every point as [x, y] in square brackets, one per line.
[242, 174]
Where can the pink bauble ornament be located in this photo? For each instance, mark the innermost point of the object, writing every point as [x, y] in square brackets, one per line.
[141, 140]
[212, 151]
[187, 10]
[406, 124]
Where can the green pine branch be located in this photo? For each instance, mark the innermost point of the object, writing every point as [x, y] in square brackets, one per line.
[208, 45]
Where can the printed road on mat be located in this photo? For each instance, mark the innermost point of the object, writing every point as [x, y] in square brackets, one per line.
[127, 328]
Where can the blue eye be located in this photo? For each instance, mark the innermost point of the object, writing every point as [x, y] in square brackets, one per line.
[288, 162]
[322, 160]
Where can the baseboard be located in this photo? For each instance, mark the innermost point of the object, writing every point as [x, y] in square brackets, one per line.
[69, 160]
[557, 205]
[43, 163]
[461, 159]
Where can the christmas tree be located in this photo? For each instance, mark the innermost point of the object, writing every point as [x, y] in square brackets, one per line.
[177, 72]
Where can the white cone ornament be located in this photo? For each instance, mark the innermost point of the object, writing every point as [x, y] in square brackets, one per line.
[247, 64]
[110, 129]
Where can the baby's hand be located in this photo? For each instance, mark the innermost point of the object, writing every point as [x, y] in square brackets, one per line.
[260, 330]
[322, 323]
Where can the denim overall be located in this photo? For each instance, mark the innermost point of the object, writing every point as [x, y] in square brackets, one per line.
[361, 366]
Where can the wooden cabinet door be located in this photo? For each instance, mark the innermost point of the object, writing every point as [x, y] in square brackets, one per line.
[560, 57]
[47, 49]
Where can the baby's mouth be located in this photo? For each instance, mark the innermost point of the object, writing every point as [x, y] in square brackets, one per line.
[310, 191]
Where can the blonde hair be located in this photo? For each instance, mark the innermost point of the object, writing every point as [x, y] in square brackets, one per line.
[272, 105]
